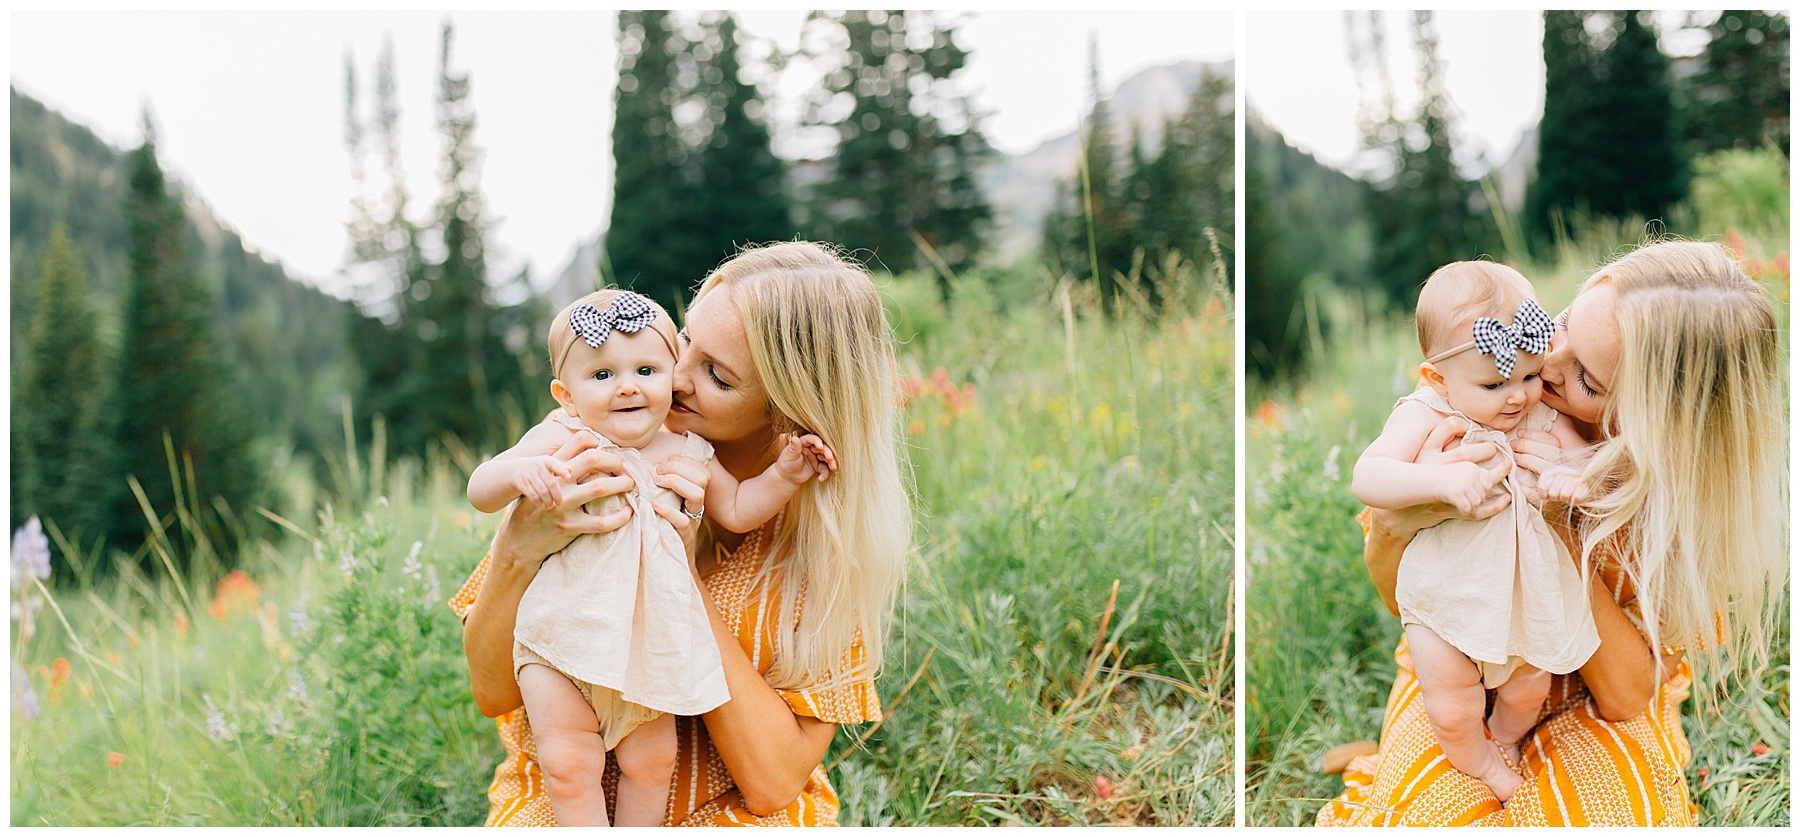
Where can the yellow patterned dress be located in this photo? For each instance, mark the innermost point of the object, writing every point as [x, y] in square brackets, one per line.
[702, 792]
[1579, 768]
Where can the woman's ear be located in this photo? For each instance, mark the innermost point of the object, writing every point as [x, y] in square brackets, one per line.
[563, 397]
[1434, 379]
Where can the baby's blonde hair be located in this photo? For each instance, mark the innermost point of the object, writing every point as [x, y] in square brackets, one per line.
[562, 330]
[1455, 294]
[820, 342]
[1691, 481]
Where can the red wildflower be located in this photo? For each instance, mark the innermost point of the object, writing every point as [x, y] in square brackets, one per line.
[1759, 749]
[114, 759]
[1103, 787]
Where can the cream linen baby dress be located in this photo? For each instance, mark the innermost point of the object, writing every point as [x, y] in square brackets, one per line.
[619, 611]
[1502, 590]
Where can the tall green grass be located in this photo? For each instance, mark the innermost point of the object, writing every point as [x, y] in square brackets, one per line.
[1319, 662]
[327, 686]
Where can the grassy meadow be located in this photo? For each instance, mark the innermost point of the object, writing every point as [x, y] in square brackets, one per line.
[1320, 661]
[1061, 653]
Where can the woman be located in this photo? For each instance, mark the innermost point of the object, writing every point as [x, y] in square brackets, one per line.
[782, 338]
[1669, 361]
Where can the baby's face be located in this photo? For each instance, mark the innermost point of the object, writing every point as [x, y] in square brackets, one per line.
[620, 389]
[1476, 389]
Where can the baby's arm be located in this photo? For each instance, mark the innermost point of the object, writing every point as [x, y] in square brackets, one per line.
[1387, 477]
[743, 506]
[526, 469]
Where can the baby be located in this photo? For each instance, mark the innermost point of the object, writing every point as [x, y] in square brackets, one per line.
[1486, 604]
[612, 639]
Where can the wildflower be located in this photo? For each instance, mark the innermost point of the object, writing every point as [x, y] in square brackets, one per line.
[234, 592]
[347, 563]
[1260, 494]
[24, 697]
[433, 591]
[915, 428]
[113, 657]
[1103, 787]
[412, 565]
[1759, 749]
[216, 727]
[298, 622]
[30, 553]
[1331, 463]
[277, 723]
[1268, 415]
[296, 687]
[114, 759]
[180, 624]
[59, 672]
[1704, 773]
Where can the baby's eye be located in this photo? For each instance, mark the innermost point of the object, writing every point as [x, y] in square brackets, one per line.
[1531, 377]
[646, 370]
[1492, 387]
[603, 375]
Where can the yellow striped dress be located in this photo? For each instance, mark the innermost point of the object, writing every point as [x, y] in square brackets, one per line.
[1579, 768]
[702, 792]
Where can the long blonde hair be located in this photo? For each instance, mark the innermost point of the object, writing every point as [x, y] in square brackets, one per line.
[821, 345]
[1692, 489]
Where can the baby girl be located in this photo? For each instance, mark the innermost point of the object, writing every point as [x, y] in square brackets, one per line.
[612, 639]
[1486, 604]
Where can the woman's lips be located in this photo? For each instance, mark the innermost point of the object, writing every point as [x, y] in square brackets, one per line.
[675, 406]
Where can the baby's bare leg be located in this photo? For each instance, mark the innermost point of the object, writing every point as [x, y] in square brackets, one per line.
[646, 759]
[570, 752]
[1517, 703]
[1456, 704]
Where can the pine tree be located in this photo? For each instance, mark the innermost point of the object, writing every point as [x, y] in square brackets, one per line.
[654, 181]
[1211, 120]
[56, 403]
[1273, 342]
[1095, 240]
[743, 199]
[1421, 214]
[1739, 99]
[172, 381]
[901, 181]
[1607, 141]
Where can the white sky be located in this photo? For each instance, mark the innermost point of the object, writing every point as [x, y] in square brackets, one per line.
[1493, 73]
[248, 106]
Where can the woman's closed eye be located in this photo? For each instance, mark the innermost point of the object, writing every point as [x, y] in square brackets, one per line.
[713, 373]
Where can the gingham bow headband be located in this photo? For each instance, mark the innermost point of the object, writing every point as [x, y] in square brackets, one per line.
[628, 313]
[1530, 332]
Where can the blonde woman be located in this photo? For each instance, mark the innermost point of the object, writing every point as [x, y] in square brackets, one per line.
[1669, 361]
[780, 339]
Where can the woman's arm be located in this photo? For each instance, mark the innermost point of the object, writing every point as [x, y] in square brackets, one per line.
[1622, 674]
[528, 534]
[768, 749]
[1390, 530]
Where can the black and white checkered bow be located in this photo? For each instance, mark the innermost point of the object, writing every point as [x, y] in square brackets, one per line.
[628, 313]
[1529, 332]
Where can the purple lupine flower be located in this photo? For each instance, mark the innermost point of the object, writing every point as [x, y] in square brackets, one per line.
[216, 727]
[30, 553]
[412, 565]
[296, 687]
[24, 697]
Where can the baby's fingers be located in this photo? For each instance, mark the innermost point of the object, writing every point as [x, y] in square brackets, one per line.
[820, 449]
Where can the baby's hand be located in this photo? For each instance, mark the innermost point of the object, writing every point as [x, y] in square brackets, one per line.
[540, 479]
[1561, 485]
[804, 457]
[1464, 485]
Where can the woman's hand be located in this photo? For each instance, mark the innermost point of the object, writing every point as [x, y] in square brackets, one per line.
[529, 532]
[1390, 530]
[688, 479]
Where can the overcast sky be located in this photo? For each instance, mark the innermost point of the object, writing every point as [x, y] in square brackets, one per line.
[1493, 73]
[249, 106]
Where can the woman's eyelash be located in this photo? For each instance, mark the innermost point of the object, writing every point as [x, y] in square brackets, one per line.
[714, 373]
[1581, 378]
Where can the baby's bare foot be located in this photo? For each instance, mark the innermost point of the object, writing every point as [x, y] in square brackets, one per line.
[1502, 780]
[1511, 753]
